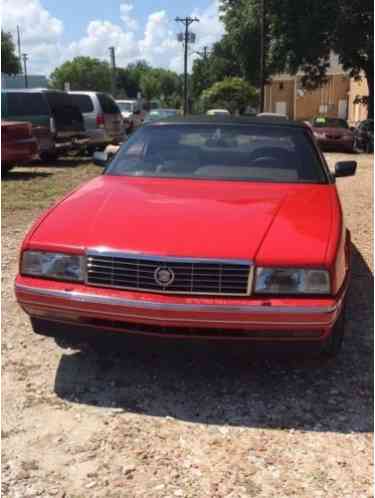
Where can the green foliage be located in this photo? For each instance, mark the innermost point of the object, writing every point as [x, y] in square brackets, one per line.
[150, 85]
[129, 78]
[220, 63]
[234, 94]
[151, 82]
[10, 63]
[83, 73]
[300, 34]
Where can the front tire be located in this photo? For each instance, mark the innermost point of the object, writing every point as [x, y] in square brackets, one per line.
[332, 346]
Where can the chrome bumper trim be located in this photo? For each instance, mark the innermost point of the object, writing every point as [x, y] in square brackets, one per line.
[81, 297]
[184, 320]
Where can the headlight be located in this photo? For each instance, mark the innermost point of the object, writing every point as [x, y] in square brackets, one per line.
[319, 135]
[291, 281]
[52, 265]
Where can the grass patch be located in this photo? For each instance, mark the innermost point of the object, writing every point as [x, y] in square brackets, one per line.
[36, 188]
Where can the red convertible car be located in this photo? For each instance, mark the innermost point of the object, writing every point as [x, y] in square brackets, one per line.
[214, 228]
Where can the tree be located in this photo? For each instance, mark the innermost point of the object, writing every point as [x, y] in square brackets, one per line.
[10, 63]
[234, 94]
[83, 73]
[301, 34]
[169, 82]
[220, 63]
[150, 86]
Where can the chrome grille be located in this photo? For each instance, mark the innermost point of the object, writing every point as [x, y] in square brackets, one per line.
[190, 276]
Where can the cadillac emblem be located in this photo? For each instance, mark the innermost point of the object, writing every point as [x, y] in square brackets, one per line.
[164, 276]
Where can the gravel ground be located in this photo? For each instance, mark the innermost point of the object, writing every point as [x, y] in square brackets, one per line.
[166, 421]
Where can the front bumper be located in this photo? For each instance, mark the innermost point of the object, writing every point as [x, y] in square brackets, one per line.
[336, 144]
[179, 316]
[20, 151]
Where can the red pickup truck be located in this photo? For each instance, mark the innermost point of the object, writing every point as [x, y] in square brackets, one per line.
[18, 144]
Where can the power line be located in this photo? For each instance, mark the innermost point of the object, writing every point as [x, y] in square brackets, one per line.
[186, 21]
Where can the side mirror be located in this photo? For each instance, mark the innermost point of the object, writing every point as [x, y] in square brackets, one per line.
[100, 159]
[345, 168]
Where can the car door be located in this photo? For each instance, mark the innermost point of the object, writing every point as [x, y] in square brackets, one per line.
[67, 117]
[113, 122]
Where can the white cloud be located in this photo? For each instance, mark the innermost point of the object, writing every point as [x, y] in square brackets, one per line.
[40, 31]
[159, 43]
[42, 36]
[209, 29]
[100, 36]
[125, 13]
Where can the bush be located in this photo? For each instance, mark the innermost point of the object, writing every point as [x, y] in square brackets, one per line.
[233, 94]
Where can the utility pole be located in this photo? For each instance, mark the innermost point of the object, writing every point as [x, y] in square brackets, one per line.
[186, 21]
[113, 64]
[204, 53]
[262, 53]
[19, 45]
[24, 57]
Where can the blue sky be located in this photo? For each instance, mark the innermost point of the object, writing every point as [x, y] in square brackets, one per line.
[57, 30]
[109, 9]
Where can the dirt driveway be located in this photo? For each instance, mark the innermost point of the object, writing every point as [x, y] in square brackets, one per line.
[165, 422]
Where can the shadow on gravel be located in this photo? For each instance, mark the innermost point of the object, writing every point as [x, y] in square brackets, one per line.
[15, 175]
[236, 385]
[64, 162]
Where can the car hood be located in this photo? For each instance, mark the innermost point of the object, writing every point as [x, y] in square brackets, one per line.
[279, 223]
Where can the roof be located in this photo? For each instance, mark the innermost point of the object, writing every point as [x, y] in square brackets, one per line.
[158, 109]
[226, 120]
[30, 90]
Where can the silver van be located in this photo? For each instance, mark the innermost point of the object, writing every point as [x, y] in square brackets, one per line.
[102, 117]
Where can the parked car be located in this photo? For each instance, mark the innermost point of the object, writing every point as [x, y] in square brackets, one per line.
[57, 123]
[18, 145]
[214, 228]
[160, 114]
[333, 134]
[276, 115]
[364, 136]
[131, 114]
[102, 117]
[218, 112]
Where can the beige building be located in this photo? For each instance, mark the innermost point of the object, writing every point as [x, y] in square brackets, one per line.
[337, 98]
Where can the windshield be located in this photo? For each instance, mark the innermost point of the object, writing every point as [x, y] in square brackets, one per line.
[126, 106]
[160, 114]
[220, 152]
[323, 122]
